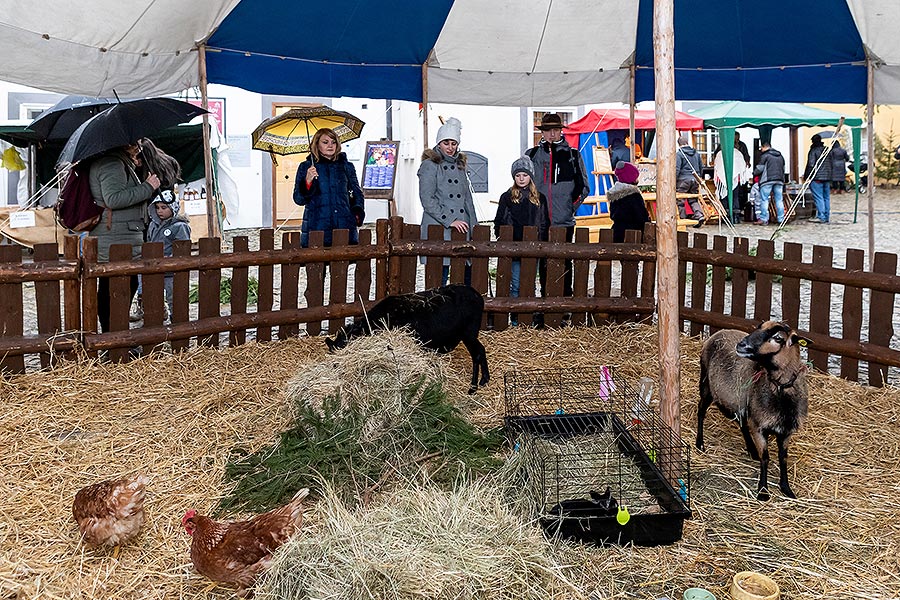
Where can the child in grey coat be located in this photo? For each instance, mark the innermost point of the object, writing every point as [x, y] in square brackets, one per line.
[166, 226]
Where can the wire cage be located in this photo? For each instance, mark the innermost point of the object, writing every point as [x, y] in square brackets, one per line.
[596, 462]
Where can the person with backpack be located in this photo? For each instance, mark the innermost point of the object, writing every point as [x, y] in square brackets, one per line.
[123, 195]
[560, 175]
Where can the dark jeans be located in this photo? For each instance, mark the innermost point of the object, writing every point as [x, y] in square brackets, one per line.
[567, 276]
[103, 299]
[467, 275]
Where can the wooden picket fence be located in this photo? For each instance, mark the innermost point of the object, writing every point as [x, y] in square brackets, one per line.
[611, 282]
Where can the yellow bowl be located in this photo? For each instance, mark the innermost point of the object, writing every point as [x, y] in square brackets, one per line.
[750, 585]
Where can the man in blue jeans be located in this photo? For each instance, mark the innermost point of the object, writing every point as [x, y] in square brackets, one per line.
[771, 181]
[821, 180]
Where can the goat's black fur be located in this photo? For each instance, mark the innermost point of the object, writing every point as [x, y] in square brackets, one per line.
[759, 381]
[440, 319]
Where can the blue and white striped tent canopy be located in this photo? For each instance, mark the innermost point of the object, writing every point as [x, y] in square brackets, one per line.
[489, 52]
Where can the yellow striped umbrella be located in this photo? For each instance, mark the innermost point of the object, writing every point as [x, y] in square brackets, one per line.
[291, 132]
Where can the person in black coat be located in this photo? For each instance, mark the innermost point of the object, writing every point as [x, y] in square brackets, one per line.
[626, 204]
[522, 206]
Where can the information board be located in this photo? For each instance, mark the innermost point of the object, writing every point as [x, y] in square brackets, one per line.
[380, 169]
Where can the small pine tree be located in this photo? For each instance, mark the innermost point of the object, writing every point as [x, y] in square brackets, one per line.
[887, 168]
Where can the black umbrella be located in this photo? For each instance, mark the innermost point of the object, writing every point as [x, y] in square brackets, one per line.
[61, 120]
[124, 124]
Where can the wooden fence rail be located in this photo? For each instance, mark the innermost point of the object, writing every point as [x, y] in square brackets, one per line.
[719, 287]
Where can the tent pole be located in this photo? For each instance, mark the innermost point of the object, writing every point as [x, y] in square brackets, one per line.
[666, 241]
[425, 104]
[631, 70]
[870, 140]
[211, 220]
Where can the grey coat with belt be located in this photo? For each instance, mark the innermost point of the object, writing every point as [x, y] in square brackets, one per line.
[445, 193]
[115, 186]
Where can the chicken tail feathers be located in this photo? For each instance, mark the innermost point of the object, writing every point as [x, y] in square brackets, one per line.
[129, 497]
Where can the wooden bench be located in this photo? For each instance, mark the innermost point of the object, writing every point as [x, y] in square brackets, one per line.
[594, 223]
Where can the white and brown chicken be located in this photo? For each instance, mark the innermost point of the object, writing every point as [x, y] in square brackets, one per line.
[111, 512]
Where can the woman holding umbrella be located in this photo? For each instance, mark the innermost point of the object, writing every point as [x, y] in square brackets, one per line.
[116, 186]
[327, 186]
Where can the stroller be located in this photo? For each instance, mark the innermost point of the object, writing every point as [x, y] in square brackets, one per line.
[863, 182]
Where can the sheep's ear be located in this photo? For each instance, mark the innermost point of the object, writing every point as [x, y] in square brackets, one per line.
[799, 339]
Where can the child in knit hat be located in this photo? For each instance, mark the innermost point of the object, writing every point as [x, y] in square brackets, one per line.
[522, 206]
[626, 203]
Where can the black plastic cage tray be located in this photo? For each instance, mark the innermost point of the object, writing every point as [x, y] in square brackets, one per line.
[591, 450]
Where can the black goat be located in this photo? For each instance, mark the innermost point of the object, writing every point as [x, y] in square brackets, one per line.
[440, 319]
[759, 381]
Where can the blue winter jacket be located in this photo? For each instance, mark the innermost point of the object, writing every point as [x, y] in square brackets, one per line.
[334, 201]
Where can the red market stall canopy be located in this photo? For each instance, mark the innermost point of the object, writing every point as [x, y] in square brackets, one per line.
[604, 119]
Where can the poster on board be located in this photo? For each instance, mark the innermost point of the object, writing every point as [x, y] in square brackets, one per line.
[647, 174]
[380, 169]
[216, 108]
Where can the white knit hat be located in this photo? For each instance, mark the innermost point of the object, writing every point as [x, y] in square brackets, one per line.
[450, 130]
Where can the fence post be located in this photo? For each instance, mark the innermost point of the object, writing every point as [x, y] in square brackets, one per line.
[72, 289]
[46, 297]
[395, 236]
[88, 290]
[383, 273]
[209, 285]
[11, 310]
[881, 311]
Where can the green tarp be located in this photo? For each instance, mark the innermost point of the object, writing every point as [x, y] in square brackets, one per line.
[728, 116]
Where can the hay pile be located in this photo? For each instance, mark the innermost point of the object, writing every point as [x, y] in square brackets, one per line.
[373, 416]
[177, 418]
[384, 370]
[421, 543]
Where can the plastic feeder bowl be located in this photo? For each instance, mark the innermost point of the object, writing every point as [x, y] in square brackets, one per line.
[750, 585]
[698, 594]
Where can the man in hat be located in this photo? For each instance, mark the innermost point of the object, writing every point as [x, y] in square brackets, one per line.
[559, 174]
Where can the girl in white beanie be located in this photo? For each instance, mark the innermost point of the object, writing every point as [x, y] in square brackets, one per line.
[444, 189]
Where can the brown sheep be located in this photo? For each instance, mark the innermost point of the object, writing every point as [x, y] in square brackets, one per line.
[759, 381]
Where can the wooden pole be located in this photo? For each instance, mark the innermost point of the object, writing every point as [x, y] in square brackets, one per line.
[870, 141]
[211, 221]
[666, 241]
[631, 97]
[425, 103]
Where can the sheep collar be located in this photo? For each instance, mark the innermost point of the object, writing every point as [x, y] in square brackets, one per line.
[778, 388]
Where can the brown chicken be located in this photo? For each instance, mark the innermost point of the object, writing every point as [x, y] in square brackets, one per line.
[236, 553]
[110, 513]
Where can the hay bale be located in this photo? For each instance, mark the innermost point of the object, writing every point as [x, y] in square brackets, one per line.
[422, 543]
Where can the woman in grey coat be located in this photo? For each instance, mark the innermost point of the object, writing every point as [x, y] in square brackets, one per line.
[444, 189]
[116, 187]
